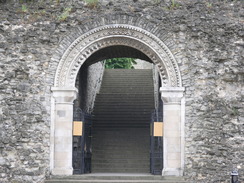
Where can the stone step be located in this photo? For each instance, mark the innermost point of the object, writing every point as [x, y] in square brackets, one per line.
[126, 104]
[139, 77]
[120, 127]
[123, 119]
[113, 144]
[122, 165]
[126, 84]
[113, 98]
[119, 170]
[125, 95]
[113, 181]
[132, 74]
[125, 101]
[118, 97]
[122, 122]
[116, 117]
[129, 75]
[118, 152]
[142, 108]
[128, 91]
[115, 178]
[122, 89]
[147, 78]
[136, 114]
[110, 111]
[125, 134]
[122, 85]
[116, 143]
[142, 133]
[117, 126]
[123, 111]
[121, 153]
[126, 115]
[120, 161]
[127, 71]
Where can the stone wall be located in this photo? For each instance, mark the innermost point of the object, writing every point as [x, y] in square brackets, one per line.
[209, 36]
[140, 64]
[89, 81]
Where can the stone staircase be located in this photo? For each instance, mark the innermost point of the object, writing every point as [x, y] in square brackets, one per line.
[115, 178]
[121, 129]
[121, 123]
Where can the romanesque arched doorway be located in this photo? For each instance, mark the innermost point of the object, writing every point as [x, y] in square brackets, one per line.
[117, 106]
[78, 49]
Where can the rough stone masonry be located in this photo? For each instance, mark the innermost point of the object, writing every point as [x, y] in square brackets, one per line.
[210, 33]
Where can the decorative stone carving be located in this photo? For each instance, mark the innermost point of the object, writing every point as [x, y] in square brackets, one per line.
[117, 34]
[64, 95]
[172, 95]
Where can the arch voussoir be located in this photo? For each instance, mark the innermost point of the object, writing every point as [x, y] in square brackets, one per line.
[117, 34]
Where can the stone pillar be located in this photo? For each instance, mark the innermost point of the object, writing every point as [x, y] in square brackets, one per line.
[63, 123]
[173, 130]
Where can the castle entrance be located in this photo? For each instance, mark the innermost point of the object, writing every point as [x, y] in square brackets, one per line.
[90, 46]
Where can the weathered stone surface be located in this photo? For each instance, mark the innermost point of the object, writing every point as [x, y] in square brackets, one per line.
[88, 81]
[209, 34]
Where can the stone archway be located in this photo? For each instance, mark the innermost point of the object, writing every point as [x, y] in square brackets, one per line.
[64, 91]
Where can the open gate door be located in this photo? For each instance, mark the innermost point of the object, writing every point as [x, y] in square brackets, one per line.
[81, 142]
[156, 143]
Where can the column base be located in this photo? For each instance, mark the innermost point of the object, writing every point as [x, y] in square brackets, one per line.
[62, 171]
[172, 172]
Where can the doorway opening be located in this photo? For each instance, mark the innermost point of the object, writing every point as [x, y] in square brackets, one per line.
[118, 101]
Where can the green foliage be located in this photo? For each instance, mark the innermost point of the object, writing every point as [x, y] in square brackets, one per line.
[65, 14]
[120, 63]
[209, 5]
[156, 1]
[234, 111]
[24, 8]
[25, 1]
[91, 3]
[174, 4]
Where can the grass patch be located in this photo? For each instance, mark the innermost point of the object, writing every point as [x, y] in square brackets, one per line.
[91, 3]
[24, 8]
[65, 14]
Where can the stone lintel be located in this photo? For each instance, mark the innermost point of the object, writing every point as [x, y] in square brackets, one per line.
[64, 95]
[172, 95]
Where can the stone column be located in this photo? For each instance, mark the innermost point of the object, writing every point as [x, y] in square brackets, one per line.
[173, 130]
[63, 123]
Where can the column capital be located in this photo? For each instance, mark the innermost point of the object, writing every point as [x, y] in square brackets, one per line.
[63, 95]
[172, 95]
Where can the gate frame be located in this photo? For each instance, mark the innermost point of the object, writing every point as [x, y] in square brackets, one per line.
[74, 51]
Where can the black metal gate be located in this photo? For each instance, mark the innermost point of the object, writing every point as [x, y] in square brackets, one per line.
[82, 144]
[156, 143]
